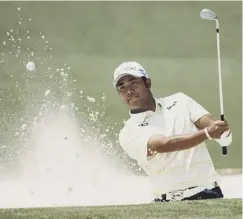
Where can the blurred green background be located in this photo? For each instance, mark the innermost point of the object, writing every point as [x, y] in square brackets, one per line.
[169, 39]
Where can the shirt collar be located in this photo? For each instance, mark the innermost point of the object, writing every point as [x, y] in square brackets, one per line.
[140, 117]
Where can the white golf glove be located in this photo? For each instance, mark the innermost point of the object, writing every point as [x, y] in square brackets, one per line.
[225, 139]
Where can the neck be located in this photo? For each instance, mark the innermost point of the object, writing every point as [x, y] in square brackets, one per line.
[149, 105]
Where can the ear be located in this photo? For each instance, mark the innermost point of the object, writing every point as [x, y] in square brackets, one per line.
[148, 83]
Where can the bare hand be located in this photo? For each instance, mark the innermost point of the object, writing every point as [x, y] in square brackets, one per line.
[217, 128]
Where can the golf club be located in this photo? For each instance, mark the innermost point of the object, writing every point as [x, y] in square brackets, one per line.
[207, 14]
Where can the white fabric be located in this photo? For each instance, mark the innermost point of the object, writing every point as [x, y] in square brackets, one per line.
[174, 115]
[225, 139]
[129, 68]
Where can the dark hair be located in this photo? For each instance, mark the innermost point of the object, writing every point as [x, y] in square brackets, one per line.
[144, 80]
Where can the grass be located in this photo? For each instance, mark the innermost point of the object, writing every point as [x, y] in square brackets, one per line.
[224, 208]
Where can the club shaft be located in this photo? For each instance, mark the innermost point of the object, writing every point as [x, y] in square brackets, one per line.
[219, 72]
[224, 149]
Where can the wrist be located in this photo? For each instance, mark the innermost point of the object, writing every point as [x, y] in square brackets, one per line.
[207, 134]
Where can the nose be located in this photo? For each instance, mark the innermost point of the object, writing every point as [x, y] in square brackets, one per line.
[129, 91]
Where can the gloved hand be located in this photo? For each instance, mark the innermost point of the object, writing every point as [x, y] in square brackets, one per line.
[225, 139]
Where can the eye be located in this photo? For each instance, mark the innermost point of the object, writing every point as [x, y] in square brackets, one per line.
[121, 88]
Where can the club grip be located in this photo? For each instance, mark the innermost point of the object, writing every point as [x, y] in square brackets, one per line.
[224, 148]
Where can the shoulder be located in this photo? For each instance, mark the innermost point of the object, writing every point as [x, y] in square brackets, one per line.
[175, 99]
[177, 96]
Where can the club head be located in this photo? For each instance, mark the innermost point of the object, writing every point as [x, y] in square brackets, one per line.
[207, 14]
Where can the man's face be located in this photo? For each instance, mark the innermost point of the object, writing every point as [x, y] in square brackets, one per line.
[133, 91]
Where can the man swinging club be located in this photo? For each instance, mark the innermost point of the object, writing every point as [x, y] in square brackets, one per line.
[166, 136]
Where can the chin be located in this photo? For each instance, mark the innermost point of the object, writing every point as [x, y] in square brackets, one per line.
[134, 106]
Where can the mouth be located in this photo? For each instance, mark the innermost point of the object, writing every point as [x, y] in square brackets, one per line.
[131, 98]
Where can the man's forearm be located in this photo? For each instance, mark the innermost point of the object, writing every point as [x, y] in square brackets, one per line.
[204, 121]
[163, 144]
[181, 142]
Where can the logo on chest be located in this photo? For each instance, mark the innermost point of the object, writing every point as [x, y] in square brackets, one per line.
[143, 124]
[169, 107]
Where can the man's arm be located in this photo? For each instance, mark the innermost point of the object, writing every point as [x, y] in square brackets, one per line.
[204, 121]
[162, 144]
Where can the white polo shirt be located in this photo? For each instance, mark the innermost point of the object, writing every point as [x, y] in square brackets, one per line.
[174, 115]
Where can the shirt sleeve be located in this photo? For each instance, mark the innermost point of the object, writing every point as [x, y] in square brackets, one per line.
[135, 141]
[196, 111]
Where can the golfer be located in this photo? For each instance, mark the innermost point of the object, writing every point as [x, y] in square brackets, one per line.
[166, 136]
